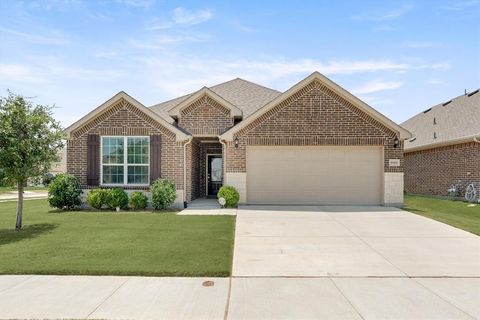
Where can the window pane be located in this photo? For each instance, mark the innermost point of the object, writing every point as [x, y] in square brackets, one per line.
[138, 174]
[112, 174]
[137, 150]
[112, 150]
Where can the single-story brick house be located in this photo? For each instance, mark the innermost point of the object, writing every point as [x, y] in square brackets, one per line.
[313, 144]
[445, 148]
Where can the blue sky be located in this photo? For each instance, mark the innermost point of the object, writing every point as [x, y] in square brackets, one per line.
[399, 57]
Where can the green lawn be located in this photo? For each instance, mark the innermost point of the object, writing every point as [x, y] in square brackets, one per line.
[109, 243]
[455, 213]
[4, 190]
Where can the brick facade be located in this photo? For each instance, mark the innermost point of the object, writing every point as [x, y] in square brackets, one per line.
[433, 171]
[205, 117]
[124, 119]
[314, 116]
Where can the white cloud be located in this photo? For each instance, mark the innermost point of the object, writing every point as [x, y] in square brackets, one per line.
[15, 71]
[55, 38]
[181, 17]
[434, 66]
[386, 16]
[137, 3]
[59, 5]
[245, 28]
[461, 5]
[376, 101]
[46, 70]
[176, 75]
[435, 82]
[163, 41]
[377, 85]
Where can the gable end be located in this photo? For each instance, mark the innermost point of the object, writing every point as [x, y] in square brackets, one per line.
[315, 85]
[121, 105]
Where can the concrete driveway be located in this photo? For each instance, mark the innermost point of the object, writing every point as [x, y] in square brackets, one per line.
[351, 263]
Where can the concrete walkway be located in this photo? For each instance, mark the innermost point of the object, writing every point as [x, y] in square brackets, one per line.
[81, 297]
[208, 207]
[27, 195]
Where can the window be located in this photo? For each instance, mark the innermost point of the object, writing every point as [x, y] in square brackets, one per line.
[125, 160]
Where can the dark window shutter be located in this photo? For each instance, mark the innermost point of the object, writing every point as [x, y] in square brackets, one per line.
[93, 159]
[155, 152]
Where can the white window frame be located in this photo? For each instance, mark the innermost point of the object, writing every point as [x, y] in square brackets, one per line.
[125, 163]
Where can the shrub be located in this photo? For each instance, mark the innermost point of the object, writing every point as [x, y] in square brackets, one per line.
[47, 179]
[64, 192]
[138, 200]
[117, 198]
[163, 194]
[230, 194]
[96, 198]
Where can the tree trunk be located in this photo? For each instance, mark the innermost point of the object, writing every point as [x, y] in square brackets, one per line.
[18, 225]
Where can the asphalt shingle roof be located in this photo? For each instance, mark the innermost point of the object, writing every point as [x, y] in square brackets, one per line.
[445, 121]
[245, 95]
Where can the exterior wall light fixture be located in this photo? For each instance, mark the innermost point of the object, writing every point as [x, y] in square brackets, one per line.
[396, 143]
[236, 142]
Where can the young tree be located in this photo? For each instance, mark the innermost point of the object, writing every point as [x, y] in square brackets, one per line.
[29, 141]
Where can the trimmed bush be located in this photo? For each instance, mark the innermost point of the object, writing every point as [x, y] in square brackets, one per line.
[138, 200]
[117, 198]
[163, 194]
[96, 198]
[64, 192]
[230, 194]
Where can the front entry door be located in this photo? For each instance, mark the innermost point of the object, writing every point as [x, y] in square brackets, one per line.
[214, 174]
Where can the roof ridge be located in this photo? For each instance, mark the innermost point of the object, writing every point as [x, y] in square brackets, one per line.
[250, 82]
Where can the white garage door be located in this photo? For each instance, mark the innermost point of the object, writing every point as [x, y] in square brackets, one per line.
[314, 175]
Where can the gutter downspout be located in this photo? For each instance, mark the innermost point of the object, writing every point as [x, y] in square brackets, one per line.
[224, 155]
[185, 171]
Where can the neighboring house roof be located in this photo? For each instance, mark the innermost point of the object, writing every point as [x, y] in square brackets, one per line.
[180, 135]
[245, 95]
[403, 134]
[451, 122]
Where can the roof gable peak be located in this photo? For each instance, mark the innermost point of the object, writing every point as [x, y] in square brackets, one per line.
[122, 95]
[205, 91]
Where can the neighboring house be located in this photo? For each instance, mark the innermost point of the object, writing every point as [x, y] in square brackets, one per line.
[61, 165]
[313, 144]
[445, 148]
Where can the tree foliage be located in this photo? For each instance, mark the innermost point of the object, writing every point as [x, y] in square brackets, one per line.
[30, 139]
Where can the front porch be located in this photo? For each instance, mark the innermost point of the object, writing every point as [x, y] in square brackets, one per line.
[207, 206]
[205, 174]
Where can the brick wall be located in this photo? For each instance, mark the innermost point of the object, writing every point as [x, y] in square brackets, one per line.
[123, 119]
[433, 171]
[205, 117]
[314, 115]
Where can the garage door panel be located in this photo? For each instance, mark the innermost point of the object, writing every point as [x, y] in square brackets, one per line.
[314, 175]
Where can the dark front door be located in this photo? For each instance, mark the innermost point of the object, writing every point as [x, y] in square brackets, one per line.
[214, 174]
